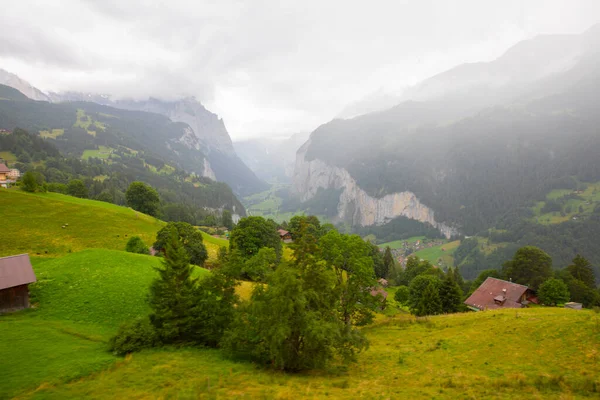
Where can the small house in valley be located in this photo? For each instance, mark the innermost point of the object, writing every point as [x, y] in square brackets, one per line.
[496, 293]
[14, 174]
[285, 235]
[5, 179]
[16, 273]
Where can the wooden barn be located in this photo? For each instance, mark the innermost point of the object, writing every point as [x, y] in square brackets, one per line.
[16, 273]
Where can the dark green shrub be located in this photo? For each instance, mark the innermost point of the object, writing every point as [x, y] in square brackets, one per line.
[136, 245]
[57, 188]
[134, 336]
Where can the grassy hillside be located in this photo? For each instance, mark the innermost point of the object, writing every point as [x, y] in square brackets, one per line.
[103, 287]
[573, 205]
[535, 353]
[440, 255]
[34, 223]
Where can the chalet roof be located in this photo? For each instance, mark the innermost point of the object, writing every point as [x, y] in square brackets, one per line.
[4, 169]
[496, 289]
[15, 271]
[282, 232]
[376, 291]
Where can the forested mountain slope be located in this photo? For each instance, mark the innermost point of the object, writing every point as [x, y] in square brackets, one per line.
[468, 166]
[106, 161]
[190, 133]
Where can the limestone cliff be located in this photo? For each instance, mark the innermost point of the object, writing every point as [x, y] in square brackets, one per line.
[355, 205]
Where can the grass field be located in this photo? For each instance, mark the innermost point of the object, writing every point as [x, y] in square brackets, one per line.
[397, 244]
[52, 134]
[573, 208]
[80, 300]
[58, 349]
[538, 353]
[35, 223]
[8, 156]
[103, 152]
[84, 121]
[267, 204]
[443, 253]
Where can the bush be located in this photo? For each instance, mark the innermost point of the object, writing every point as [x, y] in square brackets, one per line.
[57, 188]
[136, 245]
[553, 292]
[402, 295]
[134, 336]
[77, 188]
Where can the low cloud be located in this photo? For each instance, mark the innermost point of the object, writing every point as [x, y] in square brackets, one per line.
[266, 67]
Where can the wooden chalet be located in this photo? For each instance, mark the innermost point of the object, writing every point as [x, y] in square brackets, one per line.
[285, 235]
[16, 273]
[5, 179]
[496, 293]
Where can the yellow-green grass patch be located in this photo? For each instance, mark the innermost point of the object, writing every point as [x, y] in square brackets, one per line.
[52, 134]
[537, 353]
[35, 224]
[441, 254]
[8, 156]
[398, 244]
[103, 152]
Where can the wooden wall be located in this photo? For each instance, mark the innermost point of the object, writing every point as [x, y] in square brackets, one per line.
[14, 298]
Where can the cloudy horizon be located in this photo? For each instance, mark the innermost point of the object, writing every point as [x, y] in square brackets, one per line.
[267, 68]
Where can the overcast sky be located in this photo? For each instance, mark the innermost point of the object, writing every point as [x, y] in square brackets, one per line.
[267, 67]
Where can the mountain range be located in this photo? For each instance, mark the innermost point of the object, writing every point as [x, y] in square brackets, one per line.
[193, 137]
[470, 149]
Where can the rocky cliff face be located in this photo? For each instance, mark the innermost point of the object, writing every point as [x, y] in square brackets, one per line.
[355, 205]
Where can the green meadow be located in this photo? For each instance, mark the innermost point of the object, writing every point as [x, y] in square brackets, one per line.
[103, 152]
[87, 286]
[8, 156]
[442, 253]
[576, 208]
[52, 134]
[36, 222]
[397, 244]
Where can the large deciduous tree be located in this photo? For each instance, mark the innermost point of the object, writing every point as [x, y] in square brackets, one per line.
[530, 266]
[143, 198]
[253, 233]
[553, 291]
[190, 238]
[77, 188]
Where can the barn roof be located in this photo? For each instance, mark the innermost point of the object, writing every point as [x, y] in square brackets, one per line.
[508, 293]
[282, 232]
[4, 168]
[15, 271]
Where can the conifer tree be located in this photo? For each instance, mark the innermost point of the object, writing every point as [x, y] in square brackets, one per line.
[429, 303]
[582, 269]
[450, 294]
[388, 263]
[172, 294]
